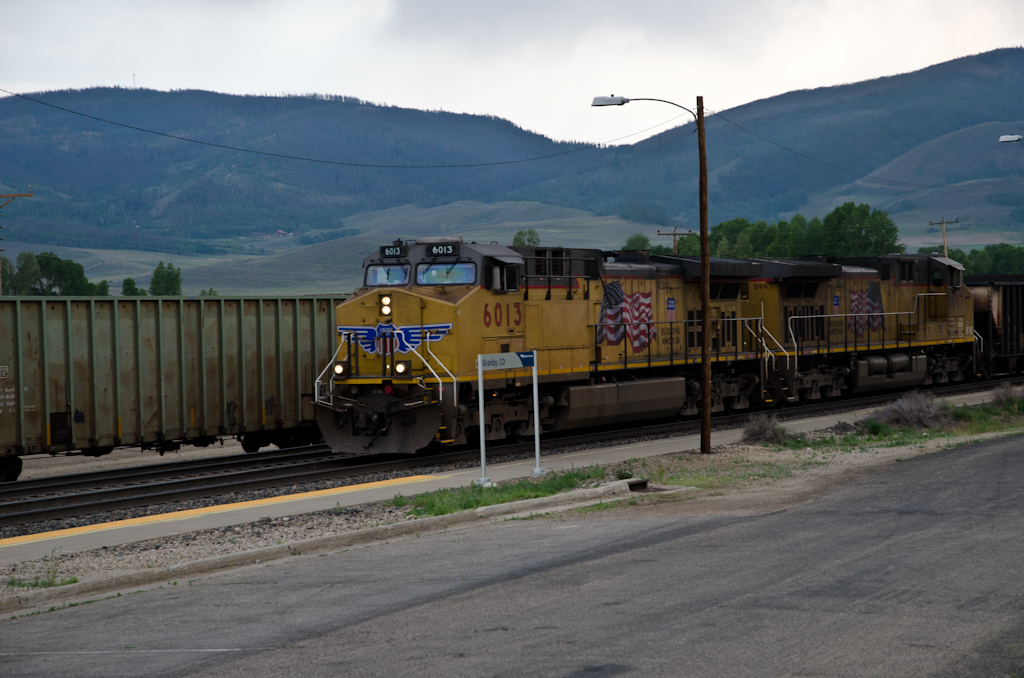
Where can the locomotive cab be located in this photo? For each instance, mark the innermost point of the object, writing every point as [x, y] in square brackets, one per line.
[383, 392]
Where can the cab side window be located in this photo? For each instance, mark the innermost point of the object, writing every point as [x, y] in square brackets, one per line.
[907, 271]
[502, 277]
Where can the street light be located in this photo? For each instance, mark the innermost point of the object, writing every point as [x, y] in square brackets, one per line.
[1003, 139]
[705, 262]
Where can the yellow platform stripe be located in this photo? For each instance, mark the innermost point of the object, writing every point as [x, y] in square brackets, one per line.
[222, 508]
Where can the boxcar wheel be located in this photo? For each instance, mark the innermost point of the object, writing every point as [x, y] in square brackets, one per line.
[250, 444]
[10, 468]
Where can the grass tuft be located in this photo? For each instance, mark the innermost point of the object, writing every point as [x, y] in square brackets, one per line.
[763, 429]
[44, 583]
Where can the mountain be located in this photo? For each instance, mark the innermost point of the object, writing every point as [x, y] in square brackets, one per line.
[103, 187]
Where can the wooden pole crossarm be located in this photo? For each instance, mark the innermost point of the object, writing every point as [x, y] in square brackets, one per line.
[12, 196]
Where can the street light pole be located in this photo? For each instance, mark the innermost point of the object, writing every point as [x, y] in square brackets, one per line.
[705, 264]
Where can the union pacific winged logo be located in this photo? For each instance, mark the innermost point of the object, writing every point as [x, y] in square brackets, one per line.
[384, 336]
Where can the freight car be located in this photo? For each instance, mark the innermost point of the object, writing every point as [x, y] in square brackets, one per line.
[619, 337]
[91, 374]
[999, 321]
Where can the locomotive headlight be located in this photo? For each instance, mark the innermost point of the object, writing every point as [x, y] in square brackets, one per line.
[385, 301]
[385, 310]
[339, 369]
[385, 304]
[403, 367]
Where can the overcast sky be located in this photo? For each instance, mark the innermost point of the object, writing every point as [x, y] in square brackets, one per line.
[535, 62]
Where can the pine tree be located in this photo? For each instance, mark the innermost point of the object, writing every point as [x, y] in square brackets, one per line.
[166, 281]
[129, 289]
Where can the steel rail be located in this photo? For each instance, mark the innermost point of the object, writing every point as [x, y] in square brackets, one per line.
[135, 474]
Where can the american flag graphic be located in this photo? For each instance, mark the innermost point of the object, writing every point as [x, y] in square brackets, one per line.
[866, 301]
[626, 314]
[385, 343]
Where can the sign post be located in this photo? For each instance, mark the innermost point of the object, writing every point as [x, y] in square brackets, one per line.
[537, 470]
[506, 361]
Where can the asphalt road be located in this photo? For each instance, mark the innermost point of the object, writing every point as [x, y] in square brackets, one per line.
[914, 571]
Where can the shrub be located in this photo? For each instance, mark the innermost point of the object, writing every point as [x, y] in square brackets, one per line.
[1007, 396]
[763, 429]
[876, 428]
[914, 410]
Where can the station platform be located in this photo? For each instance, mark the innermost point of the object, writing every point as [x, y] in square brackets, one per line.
[29, 547]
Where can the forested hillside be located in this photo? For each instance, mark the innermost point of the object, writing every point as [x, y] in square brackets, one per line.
[105, 186]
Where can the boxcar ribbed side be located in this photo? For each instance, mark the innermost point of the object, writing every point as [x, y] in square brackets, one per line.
[91, 374]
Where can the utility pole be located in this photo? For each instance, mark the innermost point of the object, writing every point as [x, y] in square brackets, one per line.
[675, 234]
[945, 252]
[705, 289]
[10, 198]
[705, 262]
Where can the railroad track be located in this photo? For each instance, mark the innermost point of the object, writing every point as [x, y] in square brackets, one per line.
[89, 493]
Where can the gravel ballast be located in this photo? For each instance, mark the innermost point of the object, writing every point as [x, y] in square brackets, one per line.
[250, 495]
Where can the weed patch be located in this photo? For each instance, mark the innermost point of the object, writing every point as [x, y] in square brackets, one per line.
[41, 583]
[915, 410]
[714, 476]
[763, 429]
[472, 497]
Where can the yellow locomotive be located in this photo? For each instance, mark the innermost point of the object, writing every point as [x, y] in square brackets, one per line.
[618, 336]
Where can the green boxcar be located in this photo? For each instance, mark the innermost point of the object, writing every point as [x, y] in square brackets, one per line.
[91, 374]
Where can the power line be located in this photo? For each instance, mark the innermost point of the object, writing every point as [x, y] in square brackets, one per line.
[334, 162]
[828, 164]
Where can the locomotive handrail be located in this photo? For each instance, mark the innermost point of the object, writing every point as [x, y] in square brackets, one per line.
[455, 381]
[317, 384]
[427, 365]
[761, 340]
[978, 338]
[796, 348]
[671, 322]
[695, 324]
[768, 332]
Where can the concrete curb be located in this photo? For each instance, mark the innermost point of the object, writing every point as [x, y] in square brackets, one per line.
[331, 542]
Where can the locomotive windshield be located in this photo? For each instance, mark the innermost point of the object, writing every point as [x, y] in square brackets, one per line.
[380, 275]
[446, 274]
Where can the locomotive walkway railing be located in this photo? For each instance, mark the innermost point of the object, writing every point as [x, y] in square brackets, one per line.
[859, 328]
[732, 339]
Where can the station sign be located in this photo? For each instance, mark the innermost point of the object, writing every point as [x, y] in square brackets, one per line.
[506, 361]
